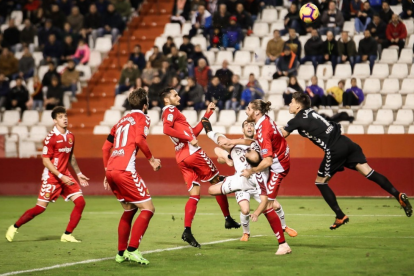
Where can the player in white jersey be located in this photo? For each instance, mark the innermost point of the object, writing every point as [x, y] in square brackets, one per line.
[243, 157]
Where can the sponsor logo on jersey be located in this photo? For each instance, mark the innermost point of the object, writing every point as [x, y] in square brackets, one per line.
[120, 152]
[65, 149]
[60, 141]
[45, 150]
[179, 146]
[170, 117]
[146, 131]
[264, 151]
[70, 141]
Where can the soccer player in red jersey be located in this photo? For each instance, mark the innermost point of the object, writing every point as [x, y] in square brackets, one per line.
[127, 137]
[275, 156]
[56, 178]
[194, 163]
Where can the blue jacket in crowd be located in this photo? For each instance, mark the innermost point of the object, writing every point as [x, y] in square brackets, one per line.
[358, 92]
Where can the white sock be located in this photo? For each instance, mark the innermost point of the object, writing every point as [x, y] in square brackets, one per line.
[244, 220]
[281, 215]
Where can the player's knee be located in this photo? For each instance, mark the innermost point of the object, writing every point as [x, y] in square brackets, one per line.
[245, 211]
[80, 202]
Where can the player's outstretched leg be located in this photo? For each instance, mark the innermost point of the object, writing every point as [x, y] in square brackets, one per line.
[276, 226]
[75, 217]
[25, 218]
[124, 230]
[244, 217]
[281, 214]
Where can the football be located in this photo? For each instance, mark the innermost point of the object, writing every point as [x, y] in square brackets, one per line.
[308, 13]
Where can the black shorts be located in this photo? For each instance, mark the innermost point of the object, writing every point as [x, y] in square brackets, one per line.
[344, 153]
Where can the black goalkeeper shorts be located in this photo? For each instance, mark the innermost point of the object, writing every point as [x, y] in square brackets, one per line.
[344, 153]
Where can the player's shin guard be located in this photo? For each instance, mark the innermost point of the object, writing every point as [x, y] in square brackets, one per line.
[330, 198]
[76, 214]
[281, 215]
[383, 182]
[275, 224]
[224, 205]
[245, 222]
[29, 215]
[124, 228]
[190, 210]
[139, 228]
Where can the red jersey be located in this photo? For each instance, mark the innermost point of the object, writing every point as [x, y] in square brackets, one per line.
[129, 135]
[180, 132]
[273, 144]
[58, 148]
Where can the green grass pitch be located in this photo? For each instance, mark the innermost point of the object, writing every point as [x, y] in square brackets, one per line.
[379, 240]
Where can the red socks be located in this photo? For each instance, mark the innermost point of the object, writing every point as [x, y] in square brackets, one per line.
[190, 210]
[76, 214]
[139, 228]
[29, 215]
[224, 204]
[124, 228]
[275, 223]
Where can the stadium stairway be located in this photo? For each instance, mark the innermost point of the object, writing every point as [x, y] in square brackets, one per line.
[101, 87]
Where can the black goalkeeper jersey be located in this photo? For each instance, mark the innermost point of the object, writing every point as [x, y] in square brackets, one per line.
[311, 125]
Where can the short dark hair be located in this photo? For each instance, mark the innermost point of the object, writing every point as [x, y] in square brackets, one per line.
[261, 105]
[245, 122]
[58, 110]
[138, 98]
[302, 99]
[186, 36]
[165, 92]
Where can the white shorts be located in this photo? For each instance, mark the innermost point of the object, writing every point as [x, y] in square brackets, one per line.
[242, 195]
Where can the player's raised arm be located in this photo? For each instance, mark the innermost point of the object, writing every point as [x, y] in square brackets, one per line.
[199, 127]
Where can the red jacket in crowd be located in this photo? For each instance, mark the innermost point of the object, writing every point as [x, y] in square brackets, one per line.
[399, 31]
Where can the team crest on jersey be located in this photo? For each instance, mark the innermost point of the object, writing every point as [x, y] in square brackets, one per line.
[238, 151]
[70, 140]
[146, 131]
[47, 195]
[264, 151]
[170, 117]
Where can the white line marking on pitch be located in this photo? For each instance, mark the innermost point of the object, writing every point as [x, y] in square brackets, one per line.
[111, 258]
[354, 237]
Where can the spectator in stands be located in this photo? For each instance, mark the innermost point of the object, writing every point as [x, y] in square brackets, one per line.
[29, 8]
[386, 13]
[93, 23]
[129, 74]
[102, 6]
[26, 64]
[224, 74]
[233, 35]
[187, 47]
[292, 21]
[113, 23]
[396, 33]
[221, 17]
[27, 35]
[45, 32]
[315, 92]
[67, 31]
[166, 73]
[334, 95]
[213, 6]
[274, 48]
[195, 4]
[182, 8]
[138, 58]
[9, 65]
[236, 90]
[166, 48]
[353, 95]
[4, 90]
[368, 49]
[123, 7]
[51, 73]
[293, 86]
[11, 37]
[408, 9]
[37, 18]
[347, 50]
[148, 74]
[177, 62]
[156, 58]
[57, 16]
[216, 39]
[52, 51]
[70, 79]
[201, 22]
[37, 95]
[65, 6]
[313, 49]
[179, 15]
[216, 93]
[54, 95]
[252, 91]
[82, 53]
[192, 95]
[68, 49]
[83, 6]
[244, 20]
[18, 96]
[330, 50]
[363, 18]
[332, 20]
[75, 19]
[153, 92]
[202, 73]
[193, 59]
[356, 6]
[287, 64]
[377, 28]
[294, 43]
